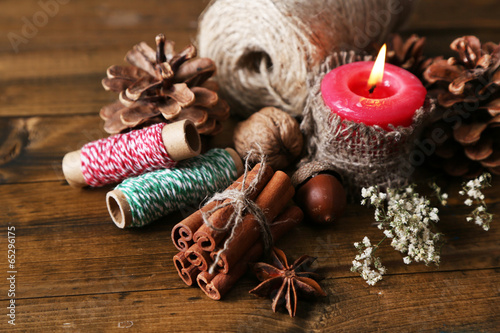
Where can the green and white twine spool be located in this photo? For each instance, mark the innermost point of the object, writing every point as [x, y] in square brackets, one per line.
[140, 200]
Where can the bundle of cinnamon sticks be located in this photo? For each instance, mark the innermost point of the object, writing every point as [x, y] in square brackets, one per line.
[199, 243]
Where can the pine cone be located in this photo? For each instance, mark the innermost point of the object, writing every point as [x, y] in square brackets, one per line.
[163, 86]
[467, 88]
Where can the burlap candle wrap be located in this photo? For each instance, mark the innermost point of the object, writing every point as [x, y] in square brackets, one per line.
[264, 49]
[363, 155]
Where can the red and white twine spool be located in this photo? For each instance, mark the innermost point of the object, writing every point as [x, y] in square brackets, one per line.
[121, 156]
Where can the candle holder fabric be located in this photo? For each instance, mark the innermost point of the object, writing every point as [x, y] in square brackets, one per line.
[363, 155]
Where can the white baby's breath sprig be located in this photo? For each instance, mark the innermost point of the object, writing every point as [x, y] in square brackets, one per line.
[438, 192]
[406, 218]
[474, 195]
[369, 267]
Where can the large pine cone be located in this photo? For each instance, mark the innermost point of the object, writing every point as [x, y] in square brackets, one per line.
[467, 88]
[163, 86]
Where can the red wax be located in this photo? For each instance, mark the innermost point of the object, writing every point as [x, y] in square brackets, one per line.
[393, 101]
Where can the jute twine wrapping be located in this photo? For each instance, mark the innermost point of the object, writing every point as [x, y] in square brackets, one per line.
[242, 205]
[264, 49]
[363, 155]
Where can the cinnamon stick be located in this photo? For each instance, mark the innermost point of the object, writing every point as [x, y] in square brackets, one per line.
[272, 200]
[189, 275]
[182, 232]
[204, 236]
[217, 285]
[197, 257]
[187, 272]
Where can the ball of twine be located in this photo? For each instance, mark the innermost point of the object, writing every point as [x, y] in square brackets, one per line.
[274, 133]
[264, 49]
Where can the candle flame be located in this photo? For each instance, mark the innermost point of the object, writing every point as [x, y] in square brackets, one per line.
[377, 73]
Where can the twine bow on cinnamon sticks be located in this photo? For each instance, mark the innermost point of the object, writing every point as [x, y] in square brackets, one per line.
[240, 202]
[235, 227]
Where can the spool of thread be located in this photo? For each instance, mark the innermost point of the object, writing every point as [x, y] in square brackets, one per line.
[142, 199]
[113, 159]
[266, 48]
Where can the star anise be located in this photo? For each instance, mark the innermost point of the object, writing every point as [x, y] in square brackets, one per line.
[286, 281]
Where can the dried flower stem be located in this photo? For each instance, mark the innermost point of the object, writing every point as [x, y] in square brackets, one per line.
[363, 262]
[406, 218]
[441, 196]
[472, 189]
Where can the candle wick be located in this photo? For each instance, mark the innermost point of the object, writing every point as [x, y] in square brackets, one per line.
[372, 89]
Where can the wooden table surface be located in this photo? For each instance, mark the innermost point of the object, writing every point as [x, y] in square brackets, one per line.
[77, 272]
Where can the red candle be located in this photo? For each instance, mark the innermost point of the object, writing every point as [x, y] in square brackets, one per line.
[392, 98]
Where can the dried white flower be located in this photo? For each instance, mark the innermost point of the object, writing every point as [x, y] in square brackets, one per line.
[406, 217]
[388, 234]
[442, 197]
[472, 189]
[364, 261]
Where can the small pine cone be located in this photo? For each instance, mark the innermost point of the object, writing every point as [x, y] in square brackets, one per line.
[163, 86]
[467, 88]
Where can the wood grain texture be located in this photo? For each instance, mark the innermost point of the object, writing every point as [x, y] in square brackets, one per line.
[33, 148]
[77, 272]
[423, 303]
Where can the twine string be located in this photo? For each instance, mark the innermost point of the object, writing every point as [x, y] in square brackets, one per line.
[120, 156]
[294, 38]
[242, 205]
[158, 193]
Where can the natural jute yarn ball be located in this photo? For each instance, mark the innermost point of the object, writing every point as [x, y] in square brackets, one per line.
[272, 131]
[264, 49]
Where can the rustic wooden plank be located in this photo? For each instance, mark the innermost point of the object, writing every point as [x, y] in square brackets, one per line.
[459, 14]
[31, 149]
[94, 22]
[406, 303]
[87, 37]
[78, 60]
[420, 302]
[66, 236]
[62, 96]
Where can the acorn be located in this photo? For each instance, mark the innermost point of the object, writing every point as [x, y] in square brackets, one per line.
[322, 198]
